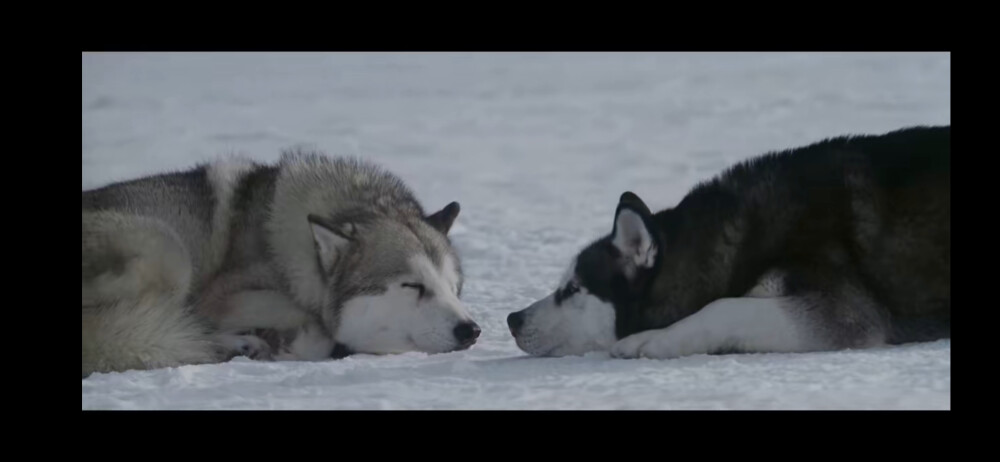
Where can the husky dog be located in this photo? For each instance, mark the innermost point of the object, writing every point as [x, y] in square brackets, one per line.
[845, 243]
[310, 258]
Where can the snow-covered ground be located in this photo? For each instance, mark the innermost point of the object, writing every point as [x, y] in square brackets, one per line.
[537, 148]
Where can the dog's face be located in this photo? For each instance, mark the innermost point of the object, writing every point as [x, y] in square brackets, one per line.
[600, 286]
[394, 285]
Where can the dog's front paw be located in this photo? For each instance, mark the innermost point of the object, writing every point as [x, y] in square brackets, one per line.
[250, 346]
[629, 347]
[256, 348]
[653, 344]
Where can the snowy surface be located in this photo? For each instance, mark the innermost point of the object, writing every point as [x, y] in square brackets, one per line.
[537, 148]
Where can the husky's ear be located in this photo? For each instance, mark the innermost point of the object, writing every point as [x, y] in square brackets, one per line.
[330, 239]
[631, 234]
[444, 218]
[629, 199]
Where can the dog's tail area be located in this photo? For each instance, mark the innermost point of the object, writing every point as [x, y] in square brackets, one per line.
[144, 333]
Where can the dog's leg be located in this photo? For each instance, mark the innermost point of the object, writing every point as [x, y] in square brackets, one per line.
[310, 342]
[136, 276]
[128, 258]
[250, 346]
[261, 309]
[739, 324]
[814, 317]
[292, 332]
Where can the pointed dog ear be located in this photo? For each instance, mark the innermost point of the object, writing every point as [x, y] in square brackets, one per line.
[630, 199]
[444, 218]
[631, 234]
[330, 239]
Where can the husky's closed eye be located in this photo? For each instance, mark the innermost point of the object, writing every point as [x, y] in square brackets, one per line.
[419, 287]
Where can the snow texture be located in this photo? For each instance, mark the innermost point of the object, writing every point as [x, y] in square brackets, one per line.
[536, 148]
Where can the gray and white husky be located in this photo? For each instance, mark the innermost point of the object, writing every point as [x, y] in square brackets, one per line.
[845, 243]
[310, 258]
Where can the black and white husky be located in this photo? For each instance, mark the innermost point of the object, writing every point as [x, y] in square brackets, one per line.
[845, 243]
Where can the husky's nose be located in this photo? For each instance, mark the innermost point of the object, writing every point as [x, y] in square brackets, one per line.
[467, 332]
[514, 321]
